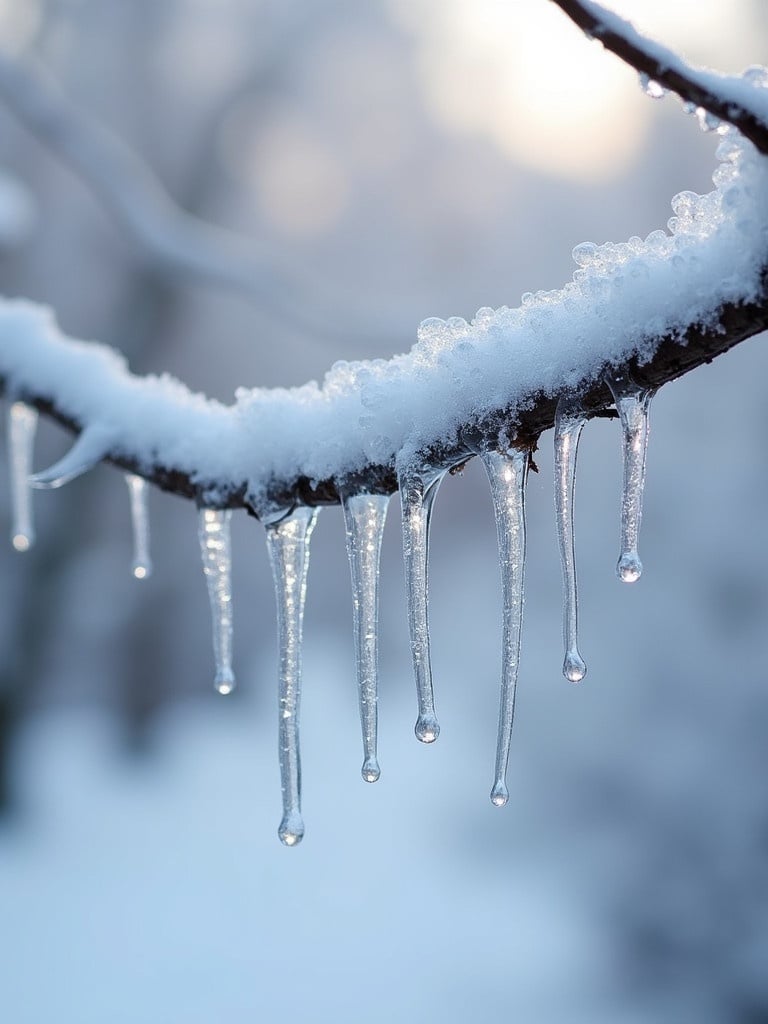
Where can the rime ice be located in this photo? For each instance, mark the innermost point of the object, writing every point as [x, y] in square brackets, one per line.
[507, 474]
[364, 518]
[22, 425]
[418, 488]
[288, 546]
[138, 492]
[569, 422]
[632, 404]
[215, 547]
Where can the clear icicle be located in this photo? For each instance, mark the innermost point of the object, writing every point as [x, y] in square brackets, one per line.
[364, 518]
[138, 490]
[569, 422]
[633, 405]
[22, 424]
[507, 474]
[215, 547]
[417, 496]
[87, 451]
[288, 546]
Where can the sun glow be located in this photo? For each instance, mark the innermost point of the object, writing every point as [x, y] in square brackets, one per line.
[519, 74]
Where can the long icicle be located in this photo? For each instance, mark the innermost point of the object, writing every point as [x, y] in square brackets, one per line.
[633, 406]
[215, 547]
[22, 425]
[364, 518]
[417, 496]
[507, 474]
[569, 422]
[138, 491]
[288, 546]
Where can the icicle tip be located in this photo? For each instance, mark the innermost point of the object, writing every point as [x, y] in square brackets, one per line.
[629, 568]
[499, 794]
[291, 830]
[427, 730]
[22, 541]
[370, 770]
[141, 571]
[574, 668]
[224, 682]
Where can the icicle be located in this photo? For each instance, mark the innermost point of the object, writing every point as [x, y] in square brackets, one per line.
[138, 490]
[22, 424]
[632, 404]
[215, 547]
[288, 546]
[417, 496]
[569, 421]
[507, 474]
[364, 517]
[87, 451]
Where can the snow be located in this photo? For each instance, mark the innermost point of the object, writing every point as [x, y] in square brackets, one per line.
[622, 298]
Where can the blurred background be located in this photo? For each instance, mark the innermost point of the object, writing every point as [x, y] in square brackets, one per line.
[376, 164]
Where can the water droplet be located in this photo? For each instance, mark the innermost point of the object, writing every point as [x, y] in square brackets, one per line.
[370, 770]
[427, 728]
[499, 794]
[629, 568]
[574, 668]
[291, 830]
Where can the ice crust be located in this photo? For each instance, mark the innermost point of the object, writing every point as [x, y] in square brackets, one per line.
[622, 299]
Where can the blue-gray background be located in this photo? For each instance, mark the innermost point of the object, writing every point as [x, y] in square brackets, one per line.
[414, 159]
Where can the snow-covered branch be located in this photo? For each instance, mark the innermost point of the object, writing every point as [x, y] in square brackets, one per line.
[725, 97]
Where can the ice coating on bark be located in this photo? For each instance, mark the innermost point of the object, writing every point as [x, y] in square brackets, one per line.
[215, 547]
[138, 492]
[87, 451]
[569, 422]
[22, 425]
[418, 488]
[364, 518]
[507, 473]
[633, 406]
[288, 546]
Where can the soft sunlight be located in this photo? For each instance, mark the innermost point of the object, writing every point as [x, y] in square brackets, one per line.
[520, 74]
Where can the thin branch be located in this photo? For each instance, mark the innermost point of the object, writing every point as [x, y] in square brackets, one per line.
[174, 242]
[726, 97]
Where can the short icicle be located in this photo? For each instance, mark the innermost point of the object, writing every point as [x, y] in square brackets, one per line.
[364, 518]
[633, 405]
[138, 491]
[569, 422]
[215, 547]
[417, 495]
[22, 425]
[89, 449]
[288, 546]
[507, 473]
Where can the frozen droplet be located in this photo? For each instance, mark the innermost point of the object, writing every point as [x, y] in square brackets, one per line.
[499, 794]
[569, 422]
[364, 518]
[288, 547]
[418, 488]
[633, 406]
[585, 254]
[87, 451]
[138, 491]
[507, 473]
[22, 425]
[652, 88]
[215, 548]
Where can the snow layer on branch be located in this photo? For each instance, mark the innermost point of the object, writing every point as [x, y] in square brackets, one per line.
[624, 297]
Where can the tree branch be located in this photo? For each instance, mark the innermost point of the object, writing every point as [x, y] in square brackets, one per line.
[726, 97]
